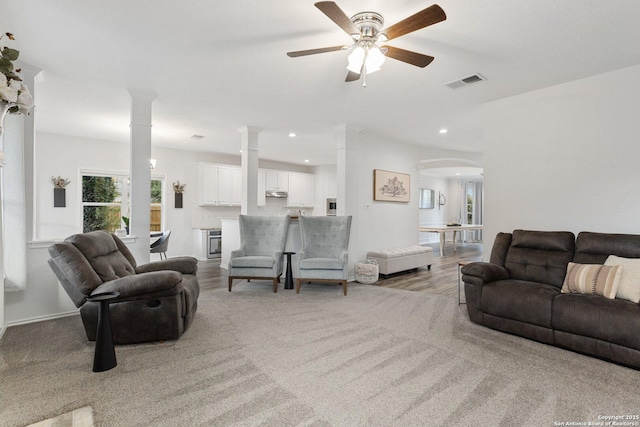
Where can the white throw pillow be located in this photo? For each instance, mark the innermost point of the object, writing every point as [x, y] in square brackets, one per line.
[630, 281]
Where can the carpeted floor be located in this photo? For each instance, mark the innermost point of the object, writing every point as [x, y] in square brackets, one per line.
[378, 357]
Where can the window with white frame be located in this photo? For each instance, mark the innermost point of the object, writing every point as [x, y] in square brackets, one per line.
[105, 202]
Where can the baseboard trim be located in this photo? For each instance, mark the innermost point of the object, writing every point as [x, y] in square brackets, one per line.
[43, 318]
[4, 328]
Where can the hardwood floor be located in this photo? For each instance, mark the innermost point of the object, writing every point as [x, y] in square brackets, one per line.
[442, 279]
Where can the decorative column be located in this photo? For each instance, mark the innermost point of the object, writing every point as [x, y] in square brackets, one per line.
[348, 175]
[29, 74]
[249, 170]
[18, 188]
[140, 171]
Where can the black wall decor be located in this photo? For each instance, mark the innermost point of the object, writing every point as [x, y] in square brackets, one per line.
[178, 200]
[59, 198]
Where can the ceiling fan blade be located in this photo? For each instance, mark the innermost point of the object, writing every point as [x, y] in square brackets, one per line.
[413, 58]
[352, 77]
[314, 51]
[429, 16]
[336, 14]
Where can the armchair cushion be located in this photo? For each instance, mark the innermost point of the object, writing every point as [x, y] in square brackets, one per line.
[155, 284]
[74, 271]
[254, 261]
[321, 264]
[184, 265]
[100, 249]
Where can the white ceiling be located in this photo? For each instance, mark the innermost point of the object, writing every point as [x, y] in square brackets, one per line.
[219, 65]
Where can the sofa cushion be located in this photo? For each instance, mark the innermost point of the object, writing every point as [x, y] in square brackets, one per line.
[594, 279]
[630, 279]
[521, 300]
[540, 256]
[594, 248]
[616, 321]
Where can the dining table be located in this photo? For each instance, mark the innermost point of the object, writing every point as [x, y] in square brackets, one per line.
[443, 229]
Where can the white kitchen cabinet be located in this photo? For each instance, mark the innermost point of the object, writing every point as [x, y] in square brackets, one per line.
[301, 190]
[219, 185]
[276, 180]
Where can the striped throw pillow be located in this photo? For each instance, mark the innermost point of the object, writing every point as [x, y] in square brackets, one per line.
[592, 279]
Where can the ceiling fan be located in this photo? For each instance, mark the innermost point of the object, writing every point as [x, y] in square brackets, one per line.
[366, 30]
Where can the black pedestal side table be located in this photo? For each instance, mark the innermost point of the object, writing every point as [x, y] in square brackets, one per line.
[105, 354]
[288, 282]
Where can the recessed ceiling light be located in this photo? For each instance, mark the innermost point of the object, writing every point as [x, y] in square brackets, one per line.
[457, 173]
[443, 131]
[306, 160]
[292, 134]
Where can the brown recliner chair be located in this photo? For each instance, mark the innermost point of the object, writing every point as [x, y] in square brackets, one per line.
[157, 300]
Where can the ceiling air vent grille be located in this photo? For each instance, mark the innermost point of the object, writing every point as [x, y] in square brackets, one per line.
[467, 81]
[196, 136]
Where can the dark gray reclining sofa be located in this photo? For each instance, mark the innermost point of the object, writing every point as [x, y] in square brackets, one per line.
[518, 292]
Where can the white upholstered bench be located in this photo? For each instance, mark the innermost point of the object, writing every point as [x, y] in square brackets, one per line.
[400, 259]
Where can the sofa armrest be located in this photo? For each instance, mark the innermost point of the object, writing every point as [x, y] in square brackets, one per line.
[183, 264]
[478, 273]
[154, 284]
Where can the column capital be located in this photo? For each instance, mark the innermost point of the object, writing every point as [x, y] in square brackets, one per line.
[142, 95]
[344, 127]
[249, 129]
[27, 70]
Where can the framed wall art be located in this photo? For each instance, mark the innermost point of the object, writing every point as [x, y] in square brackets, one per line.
[391, 186]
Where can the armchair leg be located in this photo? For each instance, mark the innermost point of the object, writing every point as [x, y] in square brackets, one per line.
[275, 285]
[230, 282]
[297, 286]
[344, 285]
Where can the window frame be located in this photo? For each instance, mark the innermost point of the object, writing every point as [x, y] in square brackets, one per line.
[125, 203]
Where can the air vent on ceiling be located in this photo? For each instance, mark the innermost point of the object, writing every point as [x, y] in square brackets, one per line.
[467, 81]
[195, 136]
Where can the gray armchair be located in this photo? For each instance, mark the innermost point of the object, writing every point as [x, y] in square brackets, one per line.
[323, 258]
[157, 300]
[262, 240]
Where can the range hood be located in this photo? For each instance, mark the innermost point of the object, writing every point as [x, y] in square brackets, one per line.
[273, 193]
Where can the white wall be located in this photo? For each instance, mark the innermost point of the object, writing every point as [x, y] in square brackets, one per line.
[439, 214]
[381, 224]
[65, 156]
[565, 158]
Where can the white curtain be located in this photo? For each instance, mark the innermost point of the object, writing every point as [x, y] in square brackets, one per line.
[14, 206]
[475, 190]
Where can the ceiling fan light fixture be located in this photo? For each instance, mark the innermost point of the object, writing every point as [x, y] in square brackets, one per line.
[374, 59]
[369, 55]
[356, 58]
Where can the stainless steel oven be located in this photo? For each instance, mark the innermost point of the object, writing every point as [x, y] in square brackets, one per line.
[331, 206]
[214, 243]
